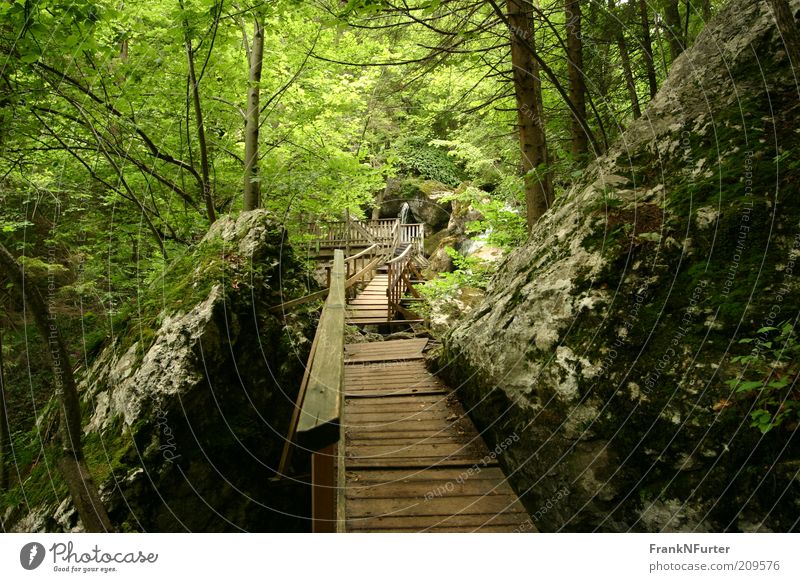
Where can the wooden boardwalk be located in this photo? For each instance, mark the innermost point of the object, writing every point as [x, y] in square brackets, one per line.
[413, 460]
[371, 304]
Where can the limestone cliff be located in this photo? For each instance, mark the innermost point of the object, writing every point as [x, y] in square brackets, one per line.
[606, 342]
[185, 411]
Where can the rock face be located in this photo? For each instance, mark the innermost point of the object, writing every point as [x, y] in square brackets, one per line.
[423, 198]
[187, 409]
[606, 341]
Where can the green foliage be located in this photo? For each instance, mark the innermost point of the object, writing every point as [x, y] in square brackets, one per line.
[770, 375]
[480, 166]
[503, 224]
[469, 272]
[428, 161]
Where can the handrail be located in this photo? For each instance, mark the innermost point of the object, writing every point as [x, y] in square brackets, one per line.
[367, 250]
[388, 232]
[396, 280]
[355, 269]
[318, 424]
[315, 418]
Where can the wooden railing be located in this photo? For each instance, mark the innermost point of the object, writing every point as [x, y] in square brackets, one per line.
[398, 280]
[414, 234]
[360, 268]
[349, 233]
[315, 422]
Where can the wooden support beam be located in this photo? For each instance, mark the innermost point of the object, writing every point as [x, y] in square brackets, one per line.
[323, 490]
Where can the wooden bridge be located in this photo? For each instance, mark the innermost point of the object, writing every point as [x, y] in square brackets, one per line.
[393, 450]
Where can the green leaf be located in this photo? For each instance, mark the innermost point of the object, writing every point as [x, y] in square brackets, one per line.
[749, 386]
[780, 383]
[29, 58]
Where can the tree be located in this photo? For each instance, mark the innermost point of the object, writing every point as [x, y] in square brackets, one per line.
[530, 117]
[4, 432]
[194, 88]
[255, 57]
[647, 49]
[625, 59]
[72, 462]
[674, 30]
[787, 26]
[577, 85]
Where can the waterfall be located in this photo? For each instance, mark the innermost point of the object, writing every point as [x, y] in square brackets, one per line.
[405, 212]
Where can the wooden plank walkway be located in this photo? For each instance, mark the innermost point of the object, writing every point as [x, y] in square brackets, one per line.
[371, 304]
[413, 460]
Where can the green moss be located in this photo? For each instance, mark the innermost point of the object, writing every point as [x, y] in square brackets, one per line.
[111, 452]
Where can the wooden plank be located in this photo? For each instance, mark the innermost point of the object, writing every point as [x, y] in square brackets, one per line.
[449, 505]
[419, 489]
[319, 417]
[299, 301]
[375, 476]
[376, 371]
[405, 440]
[399, 404]
[409, 462]
[367, 451]
[395, 391]
[389, 417]
[433, 425]
[384, 321]
[412, 369]
[405, 347]
[413, 343]
[399, 380]
[443, 529]
[288, 445]
[503, 522]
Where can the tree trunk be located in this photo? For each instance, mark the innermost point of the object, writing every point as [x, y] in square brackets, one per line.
[252, 187]
[577, 85]
[672, 20]
[625, 59]
[528, 89]
[647, 49]
[72, 464]
[788, 29]
[5, 436]
[194, 87]
[705, 10]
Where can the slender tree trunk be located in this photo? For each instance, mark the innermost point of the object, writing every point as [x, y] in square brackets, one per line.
[647, 49]
[577, 85]
[72, 464]
[5, 437]
[194, 86]
[705, 10]
[672, 20]
[686, 23]
[788, 29]
[528, 90]
[625, 59]
[252, 187]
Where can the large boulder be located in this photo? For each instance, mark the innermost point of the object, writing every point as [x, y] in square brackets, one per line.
[606, 342]
[424, 198]
[187, 407]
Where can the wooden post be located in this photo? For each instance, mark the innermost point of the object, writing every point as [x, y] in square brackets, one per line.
[323, 490]
[347, 233]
